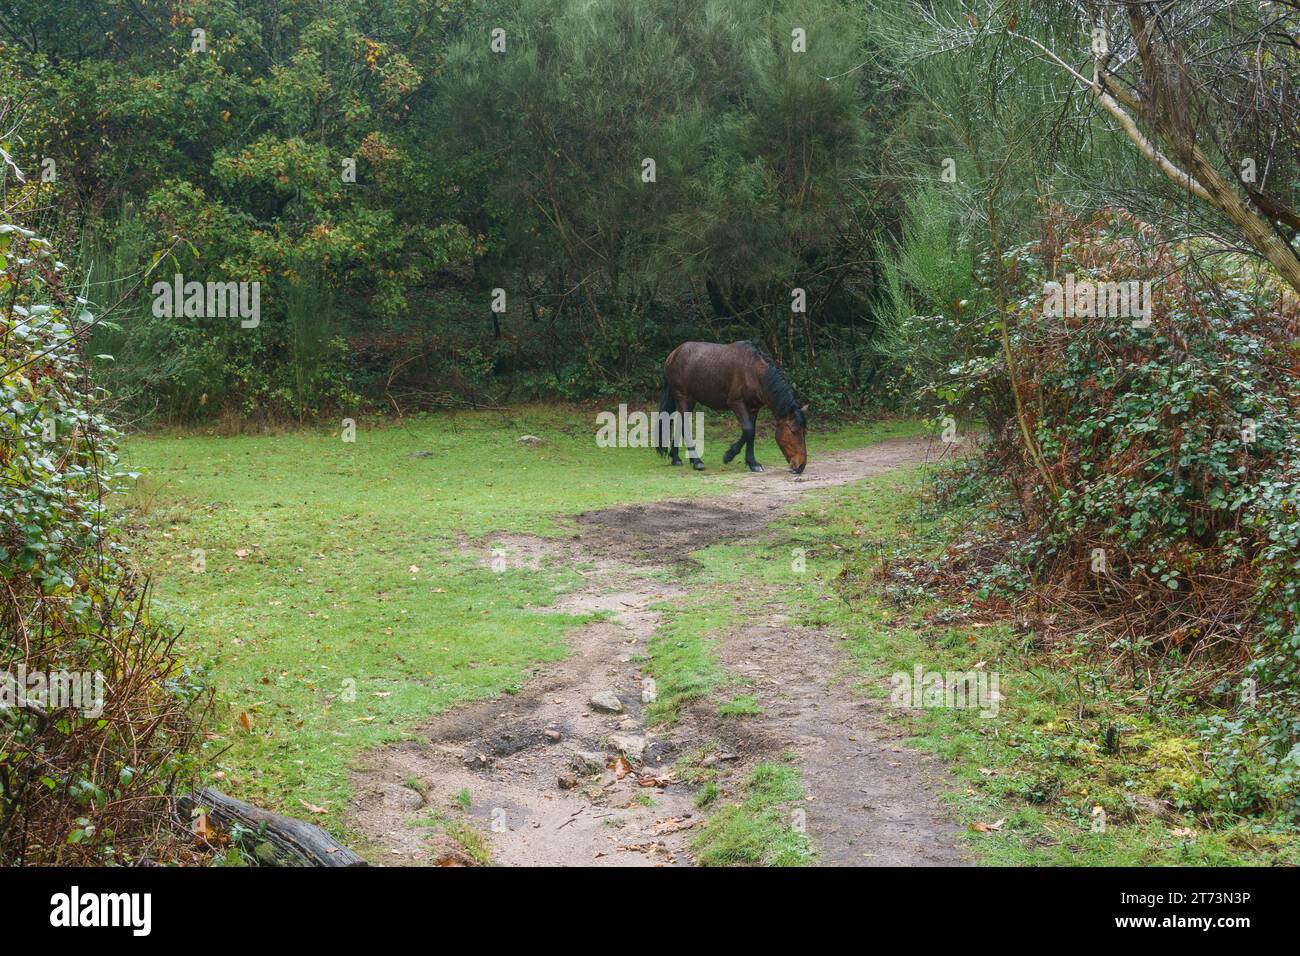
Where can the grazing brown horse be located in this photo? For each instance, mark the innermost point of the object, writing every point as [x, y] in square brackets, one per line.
[741, 377]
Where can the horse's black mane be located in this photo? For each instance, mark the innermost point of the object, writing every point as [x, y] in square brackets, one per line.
[779, 390]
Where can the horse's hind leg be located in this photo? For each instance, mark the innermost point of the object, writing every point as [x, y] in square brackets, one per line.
[673, 455]
[689, 441]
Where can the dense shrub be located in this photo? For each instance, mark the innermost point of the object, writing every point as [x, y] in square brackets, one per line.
[1156, 504]
[87, 779]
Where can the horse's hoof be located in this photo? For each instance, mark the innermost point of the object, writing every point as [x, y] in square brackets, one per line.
[726, 459]
[697, 465]
[676, 464]
[755, 467]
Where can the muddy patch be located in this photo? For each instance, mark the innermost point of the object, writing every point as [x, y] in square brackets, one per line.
[668, 531]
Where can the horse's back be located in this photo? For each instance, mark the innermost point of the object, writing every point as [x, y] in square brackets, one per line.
[711, 372]
[710, 352]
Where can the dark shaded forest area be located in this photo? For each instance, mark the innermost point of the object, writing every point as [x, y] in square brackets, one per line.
[627, 175]
[441, 214]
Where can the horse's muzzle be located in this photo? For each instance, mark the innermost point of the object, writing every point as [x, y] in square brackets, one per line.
[799, 470]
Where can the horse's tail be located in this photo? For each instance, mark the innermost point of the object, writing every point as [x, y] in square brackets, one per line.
[663, 421]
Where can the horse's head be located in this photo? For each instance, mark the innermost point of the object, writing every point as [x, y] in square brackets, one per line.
[790, 432]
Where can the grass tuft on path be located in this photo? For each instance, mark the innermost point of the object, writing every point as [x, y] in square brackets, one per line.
[763, 829]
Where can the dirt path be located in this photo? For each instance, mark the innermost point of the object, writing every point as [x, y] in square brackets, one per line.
[539, 768]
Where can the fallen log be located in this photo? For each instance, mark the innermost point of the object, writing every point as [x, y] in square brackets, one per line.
[271, 838]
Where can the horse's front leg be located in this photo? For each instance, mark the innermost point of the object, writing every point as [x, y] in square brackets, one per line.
[746, 435]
